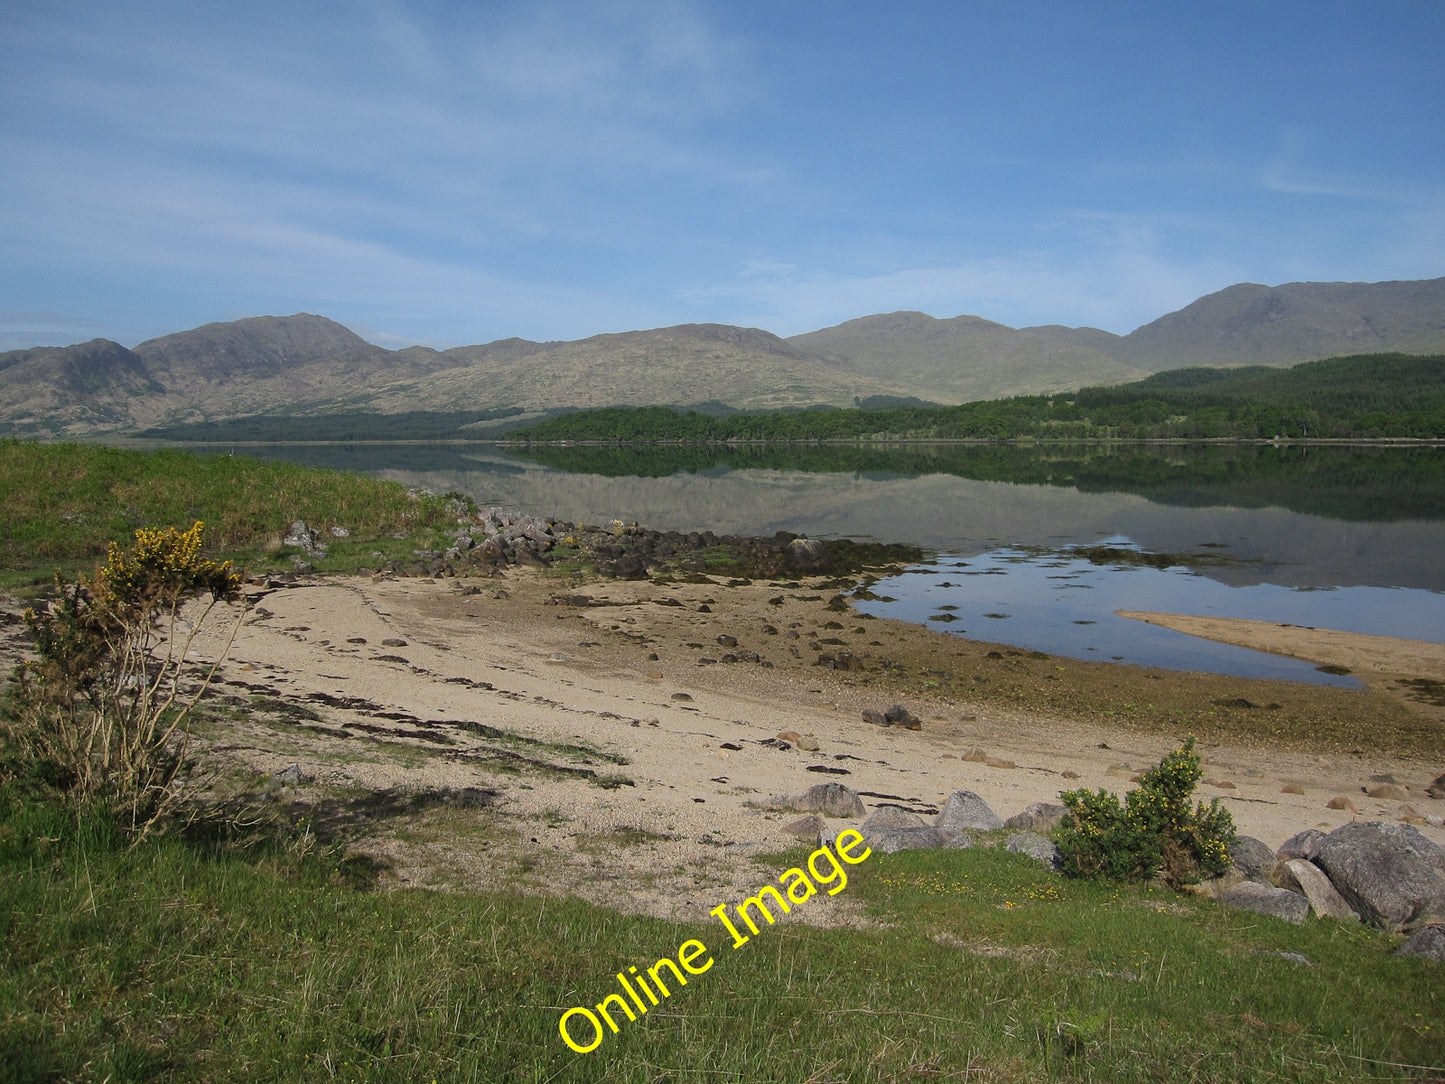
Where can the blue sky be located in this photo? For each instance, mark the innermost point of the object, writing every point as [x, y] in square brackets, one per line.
[452, 173]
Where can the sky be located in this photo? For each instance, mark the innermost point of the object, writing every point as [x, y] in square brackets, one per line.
[450, 173]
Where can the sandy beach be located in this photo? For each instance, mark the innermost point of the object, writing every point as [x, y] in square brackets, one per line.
[619, 740]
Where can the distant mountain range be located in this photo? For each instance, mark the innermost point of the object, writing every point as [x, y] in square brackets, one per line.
[308, 365]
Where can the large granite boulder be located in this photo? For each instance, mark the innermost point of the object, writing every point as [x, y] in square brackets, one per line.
[1392, 875]
[966, 810]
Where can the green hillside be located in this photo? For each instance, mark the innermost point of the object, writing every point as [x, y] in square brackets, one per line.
[1366, 397]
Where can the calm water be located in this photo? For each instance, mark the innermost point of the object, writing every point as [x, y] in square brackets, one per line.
[1328, 537]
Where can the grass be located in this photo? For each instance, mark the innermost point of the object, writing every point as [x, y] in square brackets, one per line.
[182, 962]
[65, 502]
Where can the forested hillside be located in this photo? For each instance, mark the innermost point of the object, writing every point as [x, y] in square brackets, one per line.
[1375, 396]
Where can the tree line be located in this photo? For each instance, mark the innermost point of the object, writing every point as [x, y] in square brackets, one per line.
[1372, 396]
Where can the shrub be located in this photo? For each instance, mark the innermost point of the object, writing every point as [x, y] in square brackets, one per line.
[1153, 830]
[101, 715]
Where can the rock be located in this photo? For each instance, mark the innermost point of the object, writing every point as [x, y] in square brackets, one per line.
[877, 718]
[1253, 858]
[1042, 817]
[1120, 771]
[1069, 773]
[1300, 845]
[830, 799]
[805, 828]
[1387, 791]
[1325, 900]
[1266, 900]
[727, 641]
[1339, 801]
[1291, 788]
[807, 743]
[1428, 942]
[1037, 848]
[908, 839]
[790, 736]
[394, 641]
[960, 842]
[1391, 874]
[290, 776]
[340, 532]
[1437, 788]
[806, 555]
[898, 715]
[889, 818]
[965, 809]
[300, 535]
[976, 756]
[1000, 762]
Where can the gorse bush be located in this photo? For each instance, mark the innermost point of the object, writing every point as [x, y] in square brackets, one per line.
[101, 716]
[1153, 831]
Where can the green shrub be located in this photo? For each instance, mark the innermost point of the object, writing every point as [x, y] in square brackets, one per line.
[102, 715]
[1153, 831]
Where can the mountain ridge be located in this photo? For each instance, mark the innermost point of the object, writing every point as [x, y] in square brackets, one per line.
[306, 364]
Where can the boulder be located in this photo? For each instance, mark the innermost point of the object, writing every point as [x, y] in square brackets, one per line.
[889, 818]
[1253, 858]
[1427, 942]
[1266, 900]
[965, 809]
[898, 715]
[1389, 792]
[1325, 900]
[831, 800]
[1437, 788]
[1391, 874]
[1042, 817]
[1037, 848]
[1300, 845]
[908, 839]
[805, 828]
[806, 555]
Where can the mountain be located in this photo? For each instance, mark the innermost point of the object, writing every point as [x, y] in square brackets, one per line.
[1250, 324]
[965, 358]
[308, 365]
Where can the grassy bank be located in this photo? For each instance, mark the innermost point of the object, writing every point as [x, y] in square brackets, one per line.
[64, 502]
[181, 963]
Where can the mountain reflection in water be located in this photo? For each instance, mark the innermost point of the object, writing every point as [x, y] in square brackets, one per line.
[1286, 518]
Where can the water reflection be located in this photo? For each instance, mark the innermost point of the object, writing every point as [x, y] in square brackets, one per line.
[1331, 537]
[1063, 604]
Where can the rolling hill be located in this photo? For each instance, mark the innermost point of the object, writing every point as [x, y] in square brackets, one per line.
[308, 365]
